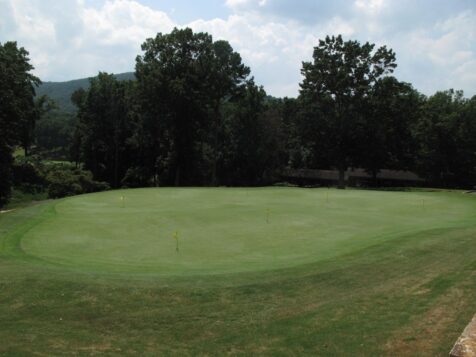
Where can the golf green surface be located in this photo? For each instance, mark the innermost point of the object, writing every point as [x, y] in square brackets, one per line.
[229, 230]
[239, 271]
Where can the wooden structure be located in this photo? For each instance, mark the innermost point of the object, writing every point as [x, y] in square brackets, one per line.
[353, 177]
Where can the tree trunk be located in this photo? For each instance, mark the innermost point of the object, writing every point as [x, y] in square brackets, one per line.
[214, 181]
[116, 164]
[177, 176]
[374, 177]
[341, 183]
[155, 173]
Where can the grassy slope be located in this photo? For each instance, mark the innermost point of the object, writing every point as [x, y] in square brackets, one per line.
[408, 295]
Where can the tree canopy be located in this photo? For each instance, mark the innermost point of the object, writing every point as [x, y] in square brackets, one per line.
[17, 107]
[338, 83]
[183, 77]
[192, 114]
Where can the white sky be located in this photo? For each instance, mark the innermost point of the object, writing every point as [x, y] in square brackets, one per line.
[435, 40]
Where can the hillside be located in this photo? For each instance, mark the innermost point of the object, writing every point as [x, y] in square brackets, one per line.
[61, 92]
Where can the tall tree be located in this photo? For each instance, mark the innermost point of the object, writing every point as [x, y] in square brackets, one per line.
[173, 88]
[445, 136]
[340, 76]
[227, 78]
[104, 127]
[393, 109]
[54, 131]
[184, 78]
[254, 140]
[17, 107]
[467, 140]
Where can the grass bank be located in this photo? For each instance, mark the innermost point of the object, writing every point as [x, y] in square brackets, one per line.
[272, 271]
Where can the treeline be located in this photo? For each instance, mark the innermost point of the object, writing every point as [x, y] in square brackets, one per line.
[194, 116]
[18, 109]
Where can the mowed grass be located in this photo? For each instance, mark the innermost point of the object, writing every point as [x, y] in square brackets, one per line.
[259, 271]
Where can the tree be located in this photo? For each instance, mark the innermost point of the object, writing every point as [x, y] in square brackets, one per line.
[183, 80]
[78, 98]
[336, 82]
[254, 140]
[393, 109]
[104, 128]
[41, 105]
[172, 82]
[17, 107]
[53, 133]
[226, 80]
[445, 135]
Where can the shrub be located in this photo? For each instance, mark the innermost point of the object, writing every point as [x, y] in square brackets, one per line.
[66, 181]
[136, 177]
[28, 174]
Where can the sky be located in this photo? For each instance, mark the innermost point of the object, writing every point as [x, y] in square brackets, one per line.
[434, 40]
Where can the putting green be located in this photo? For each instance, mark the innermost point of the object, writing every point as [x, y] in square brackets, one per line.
[231, 230]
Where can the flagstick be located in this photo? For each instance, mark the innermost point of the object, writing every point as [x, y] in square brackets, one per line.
[176, 241]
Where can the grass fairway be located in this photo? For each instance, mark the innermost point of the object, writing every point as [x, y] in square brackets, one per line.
[263, 271]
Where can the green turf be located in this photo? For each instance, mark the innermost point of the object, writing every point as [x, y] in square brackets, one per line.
[230, 230]
[20, 198]
[266, 271]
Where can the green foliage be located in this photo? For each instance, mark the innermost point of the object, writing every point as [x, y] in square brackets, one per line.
[103, 127]
[17, 108]
[254, 141]
[392, 110]
[334, 90]
[21, 198]
[5, 172]
[65, 181]
[195, 117]
[53, 134]
[136, 177]
[183, 77]
[445, 135]
[29, 174]
[17, 90]
[171, 79]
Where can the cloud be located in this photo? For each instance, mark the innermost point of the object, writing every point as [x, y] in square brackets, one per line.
[69, 39]
[434, 41]
[305, 11]
[445, 53]
[120, 22]
[274, 50]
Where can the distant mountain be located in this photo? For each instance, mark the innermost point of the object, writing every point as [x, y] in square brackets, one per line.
[61, 92]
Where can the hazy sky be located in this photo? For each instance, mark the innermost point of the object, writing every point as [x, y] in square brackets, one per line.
[435, 40]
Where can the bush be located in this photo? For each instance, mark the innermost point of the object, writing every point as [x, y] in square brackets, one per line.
[28, 174]
[136, 177]
[66, 181]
